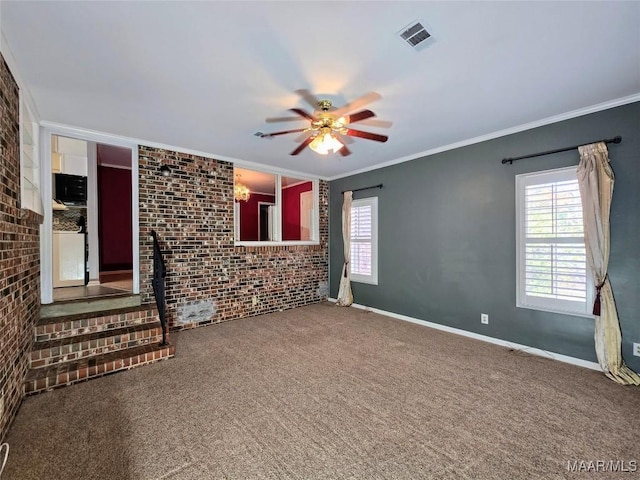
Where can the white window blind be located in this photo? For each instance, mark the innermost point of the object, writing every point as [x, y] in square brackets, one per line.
[552, 266]
[363, 264]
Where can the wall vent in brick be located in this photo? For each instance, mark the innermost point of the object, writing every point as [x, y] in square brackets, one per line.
[196, 312]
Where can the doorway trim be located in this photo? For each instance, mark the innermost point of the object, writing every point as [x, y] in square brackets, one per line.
[270, 224]
[47, 129]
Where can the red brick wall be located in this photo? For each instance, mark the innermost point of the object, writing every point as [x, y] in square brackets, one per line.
[192, 212]
[19, 260]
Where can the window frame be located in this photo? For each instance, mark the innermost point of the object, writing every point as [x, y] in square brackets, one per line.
[373, 278]
[523, 300]
[277, 221]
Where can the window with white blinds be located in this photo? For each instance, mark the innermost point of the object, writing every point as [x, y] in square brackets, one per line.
[552, 264]
[364, 241]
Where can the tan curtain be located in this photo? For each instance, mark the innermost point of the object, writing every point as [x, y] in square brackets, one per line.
[345, 297]
[595, 178]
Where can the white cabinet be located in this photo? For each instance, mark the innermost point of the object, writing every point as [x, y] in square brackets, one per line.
[56, 162]
[71, 146]
[68, 259]
[69, 156]
[74, 165]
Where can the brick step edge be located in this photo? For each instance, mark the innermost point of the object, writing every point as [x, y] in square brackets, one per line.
[59, 375]
[70, 349]
[74, 325]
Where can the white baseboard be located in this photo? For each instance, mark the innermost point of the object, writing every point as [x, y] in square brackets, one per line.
[496, 341]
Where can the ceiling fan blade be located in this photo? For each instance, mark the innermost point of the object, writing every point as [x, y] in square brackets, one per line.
[303, 136]
[344, 139]
[367, 135]
[274, 134]
[302, 113]
[361, 115]
[282, 119]
[302, 146]
[344, 151]
[308, 97]
[377, 123]
[357, 103]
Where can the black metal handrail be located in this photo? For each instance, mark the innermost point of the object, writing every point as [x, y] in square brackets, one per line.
[159, 274]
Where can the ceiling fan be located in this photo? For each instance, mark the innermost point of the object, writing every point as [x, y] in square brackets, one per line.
[328, 124]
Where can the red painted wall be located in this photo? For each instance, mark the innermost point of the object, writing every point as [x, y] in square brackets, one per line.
[114, 218]
[291, 210]
[249, 216]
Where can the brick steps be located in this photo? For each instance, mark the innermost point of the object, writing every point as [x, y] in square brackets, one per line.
[89, 305]
[75, 347]
[84, 323]
[67, 373]
[72, 348]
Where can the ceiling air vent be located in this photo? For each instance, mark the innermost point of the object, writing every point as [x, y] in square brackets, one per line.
[415, 35]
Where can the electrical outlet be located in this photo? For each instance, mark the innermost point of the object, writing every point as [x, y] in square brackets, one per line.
[484, 318]
[636, 349]
[255, 300]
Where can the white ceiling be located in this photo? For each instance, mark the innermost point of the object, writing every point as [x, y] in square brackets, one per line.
[204, 76]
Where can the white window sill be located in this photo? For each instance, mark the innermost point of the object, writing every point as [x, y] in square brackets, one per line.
[275, 244]
[552, 310]
[367, 280]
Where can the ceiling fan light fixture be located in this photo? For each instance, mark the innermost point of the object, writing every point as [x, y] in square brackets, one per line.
[327, 124]
[324, 143]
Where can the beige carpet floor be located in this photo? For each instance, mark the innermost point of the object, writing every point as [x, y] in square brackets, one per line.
[324, 392]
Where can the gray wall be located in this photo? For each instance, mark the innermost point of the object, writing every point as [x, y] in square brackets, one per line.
[447, 235]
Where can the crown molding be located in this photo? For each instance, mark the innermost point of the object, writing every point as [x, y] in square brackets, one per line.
[500, 133]
[91, 135]
[130, 142]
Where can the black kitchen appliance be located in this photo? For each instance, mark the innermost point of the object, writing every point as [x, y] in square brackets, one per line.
[71, 189]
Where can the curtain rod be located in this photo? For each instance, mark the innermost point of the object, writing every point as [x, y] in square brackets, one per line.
[510, 161]
[364, 188]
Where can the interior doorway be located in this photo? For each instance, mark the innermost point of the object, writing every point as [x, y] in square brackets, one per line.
[115, 227]
[265, 221]
[91, 219]
[306, 212]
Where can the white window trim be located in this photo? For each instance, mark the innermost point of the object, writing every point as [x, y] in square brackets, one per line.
[522, 300]
[315, 222]
[373, 278]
